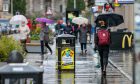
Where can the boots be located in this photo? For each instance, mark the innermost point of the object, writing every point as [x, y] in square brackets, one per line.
[104, 70]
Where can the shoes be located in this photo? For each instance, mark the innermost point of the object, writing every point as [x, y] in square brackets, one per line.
[85, 51]
[51, 52]
[103, 73]
[26, 51]
[82, 52]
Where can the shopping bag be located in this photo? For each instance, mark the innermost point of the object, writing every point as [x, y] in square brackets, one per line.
[96, 60]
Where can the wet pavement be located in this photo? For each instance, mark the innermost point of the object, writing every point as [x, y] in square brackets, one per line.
[86, 71]
[123, 60]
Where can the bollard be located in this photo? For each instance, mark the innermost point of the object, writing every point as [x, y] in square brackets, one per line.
[15, 57]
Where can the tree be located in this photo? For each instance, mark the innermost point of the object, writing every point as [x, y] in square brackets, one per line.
[19, 6]
[80, 4]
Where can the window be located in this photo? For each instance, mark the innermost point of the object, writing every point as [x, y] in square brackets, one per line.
[5, 7]
[61, 8]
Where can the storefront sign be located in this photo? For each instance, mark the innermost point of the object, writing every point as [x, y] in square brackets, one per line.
[100, 2]
[129, 39]
[67, 57]
[125, 1]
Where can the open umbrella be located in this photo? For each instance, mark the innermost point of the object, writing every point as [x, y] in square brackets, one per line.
[18, 19]
[45, 20]
[80, 20]
[111, 19]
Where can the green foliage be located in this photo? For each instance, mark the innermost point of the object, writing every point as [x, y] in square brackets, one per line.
[35, 37]
[35, 34]
[80, 4]
[8, 44]
[19, 5]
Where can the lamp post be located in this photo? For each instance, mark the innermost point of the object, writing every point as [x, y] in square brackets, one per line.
[12, 7]
[74, 4]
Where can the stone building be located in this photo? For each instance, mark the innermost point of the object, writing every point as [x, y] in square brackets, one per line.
[1, 8]
[41, 7]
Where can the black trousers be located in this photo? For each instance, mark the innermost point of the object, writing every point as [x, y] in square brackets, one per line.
[42, 46]
[83, 46]
[47, 45]
[104, 54]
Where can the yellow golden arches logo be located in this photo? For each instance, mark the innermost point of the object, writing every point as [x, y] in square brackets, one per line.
[129, 38]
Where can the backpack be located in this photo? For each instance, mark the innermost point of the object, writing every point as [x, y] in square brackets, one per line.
[103, 37]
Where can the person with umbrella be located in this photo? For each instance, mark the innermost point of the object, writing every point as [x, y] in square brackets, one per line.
[102, 43]
[24, 32]
[44, 37]
[83, 30]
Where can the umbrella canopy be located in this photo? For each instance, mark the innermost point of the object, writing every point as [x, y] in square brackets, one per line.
[18, 19]
[80, 20]
[45, 20]
[110, 19]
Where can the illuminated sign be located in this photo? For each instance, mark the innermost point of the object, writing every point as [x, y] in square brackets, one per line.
[125, 1]
[129, 38]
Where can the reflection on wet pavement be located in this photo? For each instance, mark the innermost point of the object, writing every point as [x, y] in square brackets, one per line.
[85, 72]
[123, 60]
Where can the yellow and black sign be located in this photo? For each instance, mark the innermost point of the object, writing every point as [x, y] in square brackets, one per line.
[128, 38]
[67, 58]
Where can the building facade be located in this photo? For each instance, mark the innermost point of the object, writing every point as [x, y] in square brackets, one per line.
[1, 8]
[40, 7]
[127, 11]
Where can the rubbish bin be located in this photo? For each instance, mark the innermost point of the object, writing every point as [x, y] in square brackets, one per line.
[66, 52]
[20, 71]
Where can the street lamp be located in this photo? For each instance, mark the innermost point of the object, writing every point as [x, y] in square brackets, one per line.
[74, 4]
[12, 7]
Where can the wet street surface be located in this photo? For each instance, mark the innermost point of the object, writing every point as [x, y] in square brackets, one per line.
[86, 71]
[124, 61]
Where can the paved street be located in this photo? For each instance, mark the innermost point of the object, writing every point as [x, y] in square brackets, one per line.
[86, 72]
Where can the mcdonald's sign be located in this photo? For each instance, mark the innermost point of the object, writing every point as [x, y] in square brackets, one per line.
[129, 39]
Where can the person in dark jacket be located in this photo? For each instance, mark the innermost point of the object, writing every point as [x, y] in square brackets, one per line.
[103, 50]
[83, 37]
[68, 29]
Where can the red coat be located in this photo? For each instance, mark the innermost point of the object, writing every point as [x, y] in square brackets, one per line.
[29, 24]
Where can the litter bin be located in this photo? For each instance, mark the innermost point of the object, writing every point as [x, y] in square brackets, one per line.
[20, 71]
[66, 52]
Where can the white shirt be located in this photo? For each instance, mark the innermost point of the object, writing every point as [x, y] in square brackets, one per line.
[24, 31]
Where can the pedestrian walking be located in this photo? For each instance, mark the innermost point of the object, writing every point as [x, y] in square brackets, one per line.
[59, 28]
[44, 37]
[102, 43]
[89, 26]
[75, 30]
[83, 37]
[68, 29]
[24, 32]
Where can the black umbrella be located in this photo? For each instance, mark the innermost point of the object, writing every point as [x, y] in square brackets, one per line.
[110, 19]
